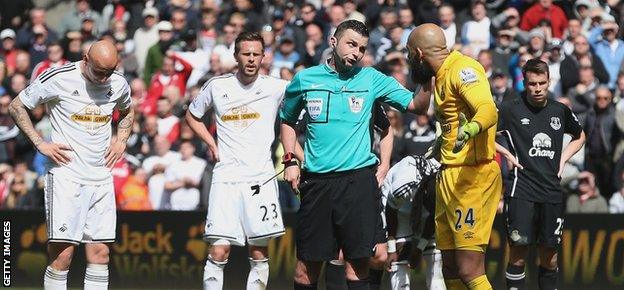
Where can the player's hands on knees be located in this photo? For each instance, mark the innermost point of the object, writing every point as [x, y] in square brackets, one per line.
[465, 131]
[291, 175]
[382, 171]
[114, 152]
[213, 152]
[56, 152]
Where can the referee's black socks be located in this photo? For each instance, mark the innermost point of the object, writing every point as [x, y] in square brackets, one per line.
[374, 277]
[335, 277]
[547, 279]
[515, 277]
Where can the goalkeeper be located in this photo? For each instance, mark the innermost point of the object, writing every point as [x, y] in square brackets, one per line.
[469, 185]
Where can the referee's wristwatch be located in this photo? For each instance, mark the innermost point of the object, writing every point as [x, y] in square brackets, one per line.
[289, 159]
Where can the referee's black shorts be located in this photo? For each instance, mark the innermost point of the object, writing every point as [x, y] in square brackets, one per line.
[338, 211]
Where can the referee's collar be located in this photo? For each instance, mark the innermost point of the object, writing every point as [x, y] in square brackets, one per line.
[332, 70]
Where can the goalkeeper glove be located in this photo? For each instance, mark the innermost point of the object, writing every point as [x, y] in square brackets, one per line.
[465, 131]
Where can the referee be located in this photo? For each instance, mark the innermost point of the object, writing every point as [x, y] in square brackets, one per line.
[339, 191]
[534, 127]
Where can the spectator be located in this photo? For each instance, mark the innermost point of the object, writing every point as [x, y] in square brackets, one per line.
[168, 123]
[146, 36]
[114, 11]
[588, 198]
[73, 46]
[501, 90]
[426, 11]
[475, 34]
[72, 21]
[9, 50]
[406, 20]
[308, 14]
[573, 30]
[603, 40]
[503, 51]
[155, 167]
[18, 195]
[134, 194]
[225, 48]
[168, 76]
[602, 137]
[485, 59]
[419, 136]
[140, 145]
[555, 58]
[178, 21]
[18, 83]
[315, 45]
[285, 56]
[20, 167]
[582, 95]
[55, 59]
[183, 179]
[26, 34]
[337, 15]
[545, 10]
[193, 55]
[208, 30]
[582, 12]
[8, 131]
[446, 14]
[37, 50]
[572, 62]
[618, 95]
[387, 20]
[351, 10]
[537, 43]
[391, 43]
[156, 53]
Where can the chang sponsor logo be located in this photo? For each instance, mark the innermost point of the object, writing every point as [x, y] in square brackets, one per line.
[541, 146]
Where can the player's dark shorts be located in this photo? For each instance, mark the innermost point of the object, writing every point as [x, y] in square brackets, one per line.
[530, 223]
[336, 212]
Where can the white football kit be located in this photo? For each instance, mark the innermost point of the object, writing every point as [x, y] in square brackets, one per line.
[79, 196]
[240, 208]
[402, 182]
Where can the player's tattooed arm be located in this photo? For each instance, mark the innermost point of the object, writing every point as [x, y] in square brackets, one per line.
[56, 152]
[20, 116]
[124, 127]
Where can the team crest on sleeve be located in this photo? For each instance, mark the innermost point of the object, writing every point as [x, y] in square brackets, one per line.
[355, 104]
[555, 123]
[468, 75]
[314, 108]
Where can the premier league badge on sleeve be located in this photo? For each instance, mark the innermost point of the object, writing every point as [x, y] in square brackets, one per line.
[555, 123]
[355, 104]
[314, 106]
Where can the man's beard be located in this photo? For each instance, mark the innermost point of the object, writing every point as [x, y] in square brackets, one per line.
[421, 73]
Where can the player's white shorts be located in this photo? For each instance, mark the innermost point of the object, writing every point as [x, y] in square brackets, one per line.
[238, 213]
[78, 213]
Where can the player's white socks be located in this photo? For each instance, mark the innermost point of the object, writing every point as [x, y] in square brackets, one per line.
[258, 274]
[96, 277]
[213, 274]
[399, 276]
[433, 270]
[55, 279]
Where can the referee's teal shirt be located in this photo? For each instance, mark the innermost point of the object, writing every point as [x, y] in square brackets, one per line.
[338, 114]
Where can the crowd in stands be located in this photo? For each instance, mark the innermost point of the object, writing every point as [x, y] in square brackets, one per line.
[169, 48]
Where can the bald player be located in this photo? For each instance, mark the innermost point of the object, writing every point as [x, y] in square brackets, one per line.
[469, 185]
[80, 98]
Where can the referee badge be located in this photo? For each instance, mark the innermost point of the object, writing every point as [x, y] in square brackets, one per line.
[555, 123]
[355, 104]
[314, 106]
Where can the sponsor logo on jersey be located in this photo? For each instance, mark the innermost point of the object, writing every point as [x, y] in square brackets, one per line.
[355, 104]
[92, 118]
[468, 235]
[525, 121]
[315, 107]
[555, 123]
[75, 93]
[468, 75]
[240, 117]
[110, 93]
[541, 145]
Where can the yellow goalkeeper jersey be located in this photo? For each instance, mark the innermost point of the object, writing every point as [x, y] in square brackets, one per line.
[462, 86]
